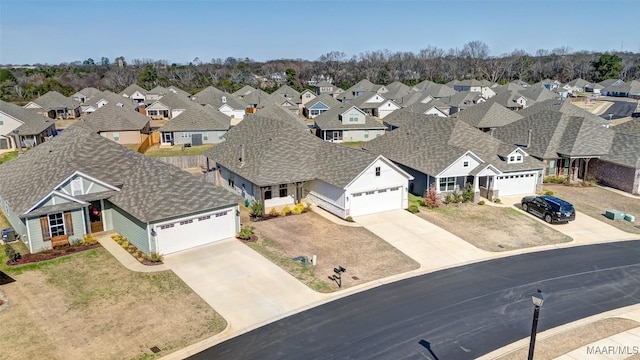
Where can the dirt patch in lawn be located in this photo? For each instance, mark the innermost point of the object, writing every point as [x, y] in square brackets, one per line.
[365, 256]
[492, 228]
[574, 338]
[593, 201]
[88, 306]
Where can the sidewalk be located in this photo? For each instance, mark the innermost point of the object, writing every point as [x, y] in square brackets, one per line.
[619, 345]
[124, 257]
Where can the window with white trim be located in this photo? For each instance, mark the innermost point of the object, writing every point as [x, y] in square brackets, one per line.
[378, 171]
[166, 226]
[185, 222]
[284, 190]
[465, 164]
[205, 136]
[447, 184]
[56, 224]
[186, 135]
[203, 218]
[353, 117]
[116, 136]
[366, 134]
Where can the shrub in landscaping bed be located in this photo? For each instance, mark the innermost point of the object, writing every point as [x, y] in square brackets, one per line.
[413, 208]
[153, 259]
[51, 254]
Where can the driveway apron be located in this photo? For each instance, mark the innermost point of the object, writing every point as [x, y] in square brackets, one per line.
[426, 243]
[240, 284]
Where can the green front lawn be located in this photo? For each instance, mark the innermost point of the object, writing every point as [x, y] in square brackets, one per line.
[352, 144]
[8, 156]
[177, 150]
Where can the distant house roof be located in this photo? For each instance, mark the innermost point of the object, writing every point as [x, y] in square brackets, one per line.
[430, 144]
[488, 115]
[177, 90]
[631, 127]
[329, 120]
[150, 190]
[132, 89]
[112, 117]
[326, 99]
[218, 98]
[324, 83]
[32, 122]
[55, 100]
[405, 116]
[244, 91]
[555, 134]
[565, 107]
[197, 118]
[293, 155]
[538, 94]
[287, 92]
[625, 150]
[274, 111]
[89, 92]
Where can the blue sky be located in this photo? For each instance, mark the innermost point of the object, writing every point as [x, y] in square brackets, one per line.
[51, 31]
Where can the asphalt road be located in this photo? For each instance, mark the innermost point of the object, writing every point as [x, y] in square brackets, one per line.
[458, 313]
[620, 109]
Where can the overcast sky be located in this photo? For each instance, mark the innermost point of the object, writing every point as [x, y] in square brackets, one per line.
[51, 31]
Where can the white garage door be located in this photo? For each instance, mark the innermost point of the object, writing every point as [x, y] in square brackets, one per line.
[518, 184]
[371, 202]
[196, 231]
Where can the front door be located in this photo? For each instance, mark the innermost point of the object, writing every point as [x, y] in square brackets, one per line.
[167, 137]
[95, 217]
[196, 139]
[336, 135]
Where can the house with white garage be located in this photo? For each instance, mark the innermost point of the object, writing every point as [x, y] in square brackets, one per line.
[279, 163]
[81, 183]
[449, 154]
[197, 125]
[320, 104]
[224, 102]
[347, 124]
[23, 126]
[55, 106]
[135, 92]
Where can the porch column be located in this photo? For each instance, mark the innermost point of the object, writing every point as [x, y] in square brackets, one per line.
[586, 168]
[437, 184]
[569, 170]
[476, 184]
[262, 191]
[298, 192]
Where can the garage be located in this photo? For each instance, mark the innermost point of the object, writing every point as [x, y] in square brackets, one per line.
[516, 184]
[374, 201]
[195, 231]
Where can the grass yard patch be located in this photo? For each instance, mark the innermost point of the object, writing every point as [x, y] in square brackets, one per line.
[365, 256]
[176, 150]
[8, 156]
[593, 201]
[352, 144]
[88, 306]
[492, 228]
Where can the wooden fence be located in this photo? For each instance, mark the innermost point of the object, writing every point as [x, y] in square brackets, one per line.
[148, 141]
[184, 162]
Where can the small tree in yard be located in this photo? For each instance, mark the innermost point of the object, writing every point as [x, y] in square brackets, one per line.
[256, 209]
[468, 193]
[432, 200]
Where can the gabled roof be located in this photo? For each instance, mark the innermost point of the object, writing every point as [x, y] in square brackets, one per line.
[509, 99]
[258, 98]
[174, 101]
[407, 115]
[610, 82]
[430, 144]
[631, 127]
[287, 92]
[54, 100]
[159, 90]
[275, 111]
[462, 100]
[89, 92]
[132, 89]
[508, 87]
[565, 107]
[150, 189]
[581, 83]
[554, 133]
[325, 99]
[112, 117]
[214, 97]
[32, 122]
[625, 150]
[244, 91]
[488, 115]
[537, 94]
[197, 118]
[324, 83]
[293, 155]
[329, 120]
[178, 91]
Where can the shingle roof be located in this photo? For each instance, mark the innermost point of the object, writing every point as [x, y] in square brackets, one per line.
[431, 144]
[197, 118]
[178, 91]
[325, 99]
[565, 107]
[244, 91]
[150, 190]
[631, 127]
[159, 90]
[112, 117]
[324, 83]
[555, 133]
[258, 98]
[33, 123]
[405, 116]
[329, 120]
[488, 114]
[538, 94]
[287, 92]
[89, 92]
[274, 111]
[213, 96]
[625, 150]
[133, 88]
[54, 99]
[279, 152]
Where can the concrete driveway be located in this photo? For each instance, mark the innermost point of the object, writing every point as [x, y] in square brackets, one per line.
[240, 284]
[426, 243]
[584, 229]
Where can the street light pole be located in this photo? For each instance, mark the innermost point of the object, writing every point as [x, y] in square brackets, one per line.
[538, 299]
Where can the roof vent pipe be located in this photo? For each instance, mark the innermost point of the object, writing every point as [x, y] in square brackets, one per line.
[241, 155]
[530, 133]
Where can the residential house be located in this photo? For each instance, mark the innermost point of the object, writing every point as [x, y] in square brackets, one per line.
[196, 125]
[120, 124]
[22, 126]
[406, 115]
[306, 96]
[578, 85]
[135, 92]
[275, 111]
[277, 163]
[55, 106]
[488, 115]
[397, 90]
[347, 124]
[178, 91]
[620, 168]
[564, 142]
[565, 107]
[85, 94]
[244, 91]
[521, 83]
[324, 87]
[475, 86]
[511, 100]
[319, 105]
[375, 104]
[631, 89]
[103, 98]
[157, 93]
[256, 99]
[449, 154]
[79, 183]
[168, 107]
[226, 103]
[462, 101]
[537, 94]
[548, 84]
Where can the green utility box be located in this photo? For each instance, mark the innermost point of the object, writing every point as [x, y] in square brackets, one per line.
[614, 214]
[629, 218]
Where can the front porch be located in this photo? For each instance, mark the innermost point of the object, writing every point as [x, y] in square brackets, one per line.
[278, 196]
[331, 135]
[571, 168]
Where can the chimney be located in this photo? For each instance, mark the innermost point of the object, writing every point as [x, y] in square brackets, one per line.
[492, 131]
[530, 132]
[241, 155]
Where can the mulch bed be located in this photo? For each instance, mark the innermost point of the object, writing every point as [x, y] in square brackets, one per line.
[51, 254]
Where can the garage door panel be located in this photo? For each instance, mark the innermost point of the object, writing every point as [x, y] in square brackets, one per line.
[191, 232]
[370, 202]
[519, 184]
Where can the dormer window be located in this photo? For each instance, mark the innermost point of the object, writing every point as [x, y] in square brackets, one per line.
[518, 158]
[512, 158]
[378, 171]
[465, 164]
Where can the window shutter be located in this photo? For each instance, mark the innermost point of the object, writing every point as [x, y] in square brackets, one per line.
[68, 224]
[44, 225]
